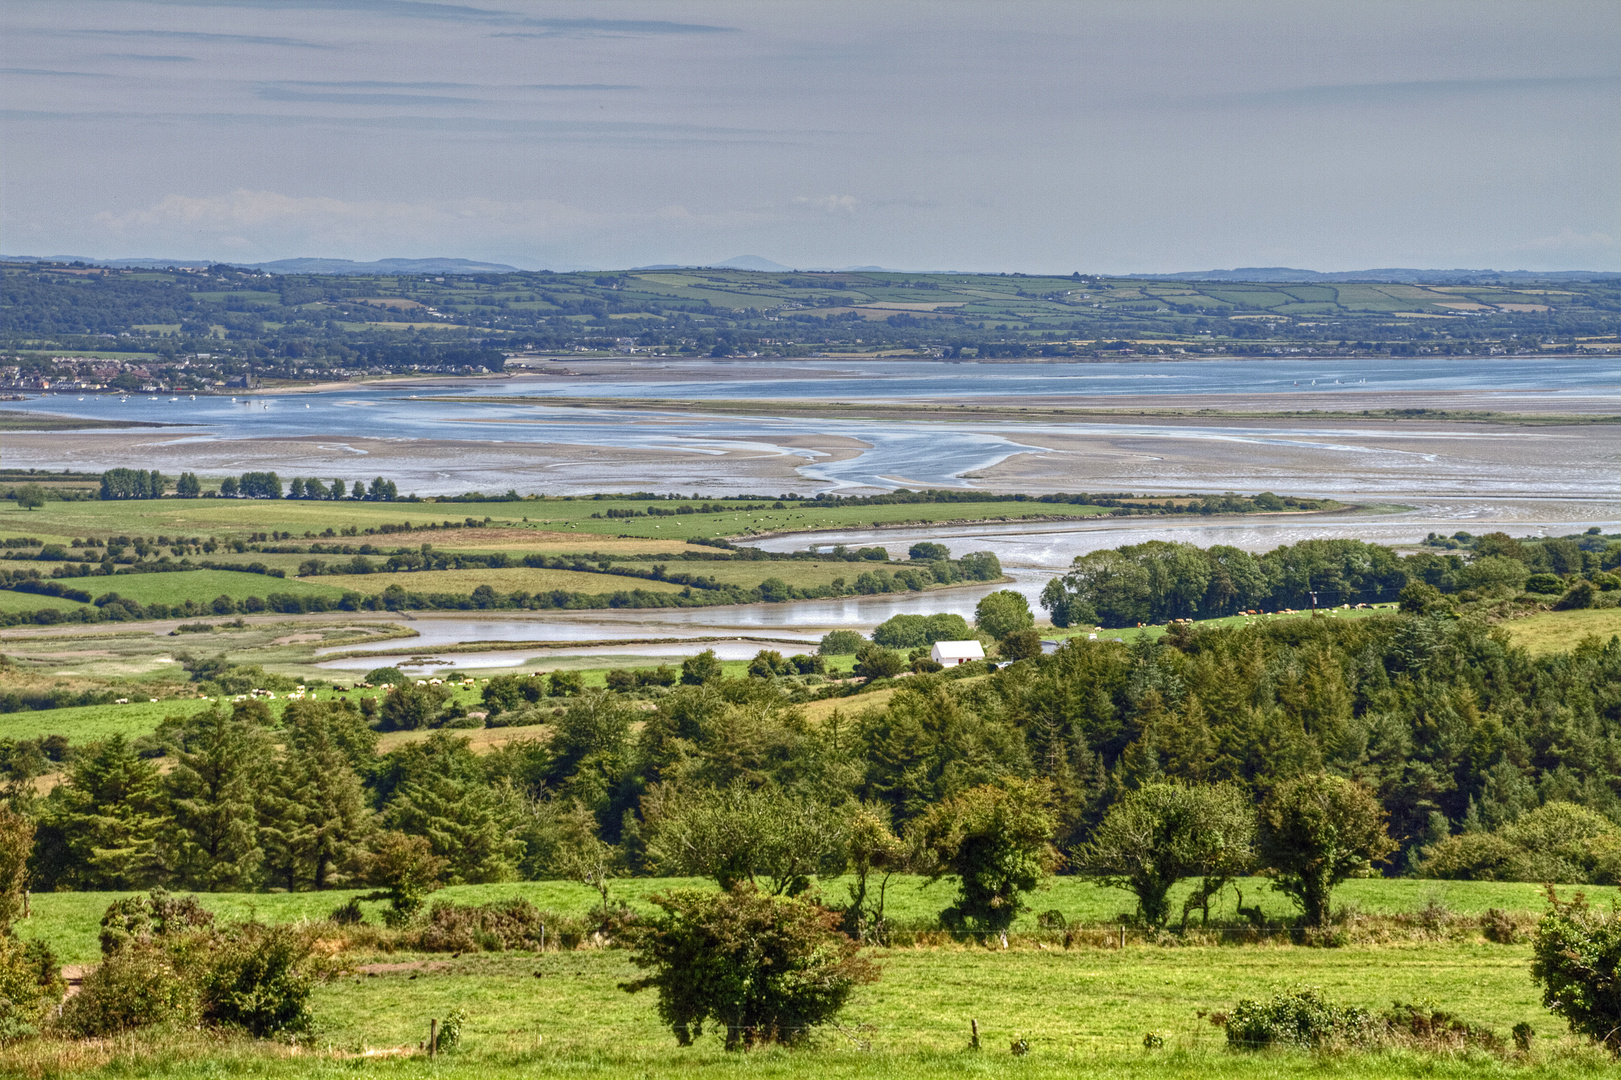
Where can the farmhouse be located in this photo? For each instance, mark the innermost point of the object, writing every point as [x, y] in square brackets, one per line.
[952, 653]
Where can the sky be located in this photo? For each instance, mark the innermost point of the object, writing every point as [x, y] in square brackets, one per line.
[998, 135]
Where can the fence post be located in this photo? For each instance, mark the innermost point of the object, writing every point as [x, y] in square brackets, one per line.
[974, 1042]
[1122, 936]
[433, 1037]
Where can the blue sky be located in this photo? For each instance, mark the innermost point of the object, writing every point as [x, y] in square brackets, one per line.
[1150, 135]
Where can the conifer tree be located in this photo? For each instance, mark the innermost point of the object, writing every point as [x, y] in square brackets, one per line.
[210, 840]
[99, 830]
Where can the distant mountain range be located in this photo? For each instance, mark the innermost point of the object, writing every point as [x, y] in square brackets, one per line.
[1289, 275]
[1278, 274]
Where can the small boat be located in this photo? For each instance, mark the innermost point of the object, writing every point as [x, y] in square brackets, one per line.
[173, 400]
[194, 397]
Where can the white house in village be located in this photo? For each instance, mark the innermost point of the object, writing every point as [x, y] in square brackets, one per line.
[952, 653]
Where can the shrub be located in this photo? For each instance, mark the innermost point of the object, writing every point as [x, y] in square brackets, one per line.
[254, 980]
[137, 986]
[30, 986]
[875, 662]
[1580, 595]
[1298, 1017]
[840, 643]
[1545, 584]
[766, 969]
[505, 924]
[404, 870]
[410, 708]
[386, 676]
[1576, 953]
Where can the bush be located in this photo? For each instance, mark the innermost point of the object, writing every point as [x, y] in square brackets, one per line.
[1576, 953]
[410, 708]
[1581, 595]
[505, 924]
[138, 986]
[875, 662]
[30, 986]
[254, 980]
[387, 676]
[767, 969]
[840, 643]
[1298, 1017]
[1545, 584]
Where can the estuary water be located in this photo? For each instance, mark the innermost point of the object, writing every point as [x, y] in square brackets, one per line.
[486, 445]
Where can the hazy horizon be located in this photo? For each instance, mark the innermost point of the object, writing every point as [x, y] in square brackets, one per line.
[1039, 137]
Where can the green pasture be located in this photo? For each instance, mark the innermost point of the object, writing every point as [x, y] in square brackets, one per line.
[229, 518]
[21, 601]
[69, 921]
[202, 586]
[507, 580]
[87, 723]
[1561, 631]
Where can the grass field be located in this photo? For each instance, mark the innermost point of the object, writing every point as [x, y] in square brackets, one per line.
[1084, 1011]
[509, 580]
[202, 586]
[61, 521]
[1560, 631]
[69, 922]
[87, 723]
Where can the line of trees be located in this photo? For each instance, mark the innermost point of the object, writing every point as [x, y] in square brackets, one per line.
[1161, 580]
[151, 484]
[1463, 749]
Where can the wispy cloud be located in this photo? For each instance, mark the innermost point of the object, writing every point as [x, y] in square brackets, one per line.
[626, 133]
[148, 56]
[1411, 91]
[53, 73]
[194, 35]
[282, 93]
[413, 9]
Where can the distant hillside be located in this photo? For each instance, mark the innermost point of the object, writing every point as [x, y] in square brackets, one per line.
[1282, 274]
[296, 266]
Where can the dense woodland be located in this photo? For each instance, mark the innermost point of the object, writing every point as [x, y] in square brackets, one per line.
[1488, 762]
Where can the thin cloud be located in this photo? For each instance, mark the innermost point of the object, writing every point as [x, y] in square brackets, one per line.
[194, 35]
[52, 73]
[148, 56]
[1404, 92]
[413, 9]
[281, 93]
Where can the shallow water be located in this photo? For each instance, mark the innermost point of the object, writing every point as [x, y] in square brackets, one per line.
[901, 453]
